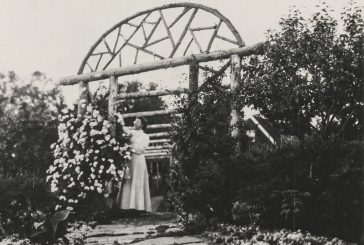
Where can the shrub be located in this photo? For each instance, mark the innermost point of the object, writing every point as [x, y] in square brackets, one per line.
[200, 177]
[313, 186]
[28, 125]
[86, 156]
[19, 217]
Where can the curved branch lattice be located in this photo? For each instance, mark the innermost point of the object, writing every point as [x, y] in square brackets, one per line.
[168, 31]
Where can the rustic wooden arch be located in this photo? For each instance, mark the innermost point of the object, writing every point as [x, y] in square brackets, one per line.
[112, 50]
[160, 143]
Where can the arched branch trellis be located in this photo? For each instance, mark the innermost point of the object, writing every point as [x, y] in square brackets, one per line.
[114, 41]
[105, 58]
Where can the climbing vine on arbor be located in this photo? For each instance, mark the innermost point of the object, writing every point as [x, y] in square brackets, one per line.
[86, 156]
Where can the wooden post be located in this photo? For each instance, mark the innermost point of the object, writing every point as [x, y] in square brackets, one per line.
[82, 103]
[193, 80]
[113, 90]
[235, 65]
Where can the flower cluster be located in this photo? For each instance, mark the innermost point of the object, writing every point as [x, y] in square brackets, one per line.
[86, 156]
[232, 234]
[76, 232]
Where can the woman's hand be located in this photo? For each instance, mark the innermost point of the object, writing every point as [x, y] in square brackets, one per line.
[120, 119]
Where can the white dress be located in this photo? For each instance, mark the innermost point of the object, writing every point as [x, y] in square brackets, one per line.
[134, 192]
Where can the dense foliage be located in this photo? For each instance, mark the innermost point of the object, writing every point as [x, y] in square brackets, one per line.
[309, 185]
[201, 177]
[28, 124]
[310, 78]
[308, 86]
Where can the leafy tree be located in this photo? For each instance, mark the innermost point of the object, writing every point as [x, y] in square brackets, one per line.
[27, 124]
[100, 99]
[310, 78]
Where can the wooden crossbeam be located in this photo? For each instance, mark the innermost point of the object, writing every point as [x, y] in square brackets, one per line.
[150, 22]
[99, 53]
[159, 147]
[130, 37]
[89, 66]
[107, 46]
[195, 40]
[160, 64]
[203, 28]
[98, 62]
[144, 34]
[117, 39]
[165, 149]
[152, 31]
[206, 68]
[188, 46]
[157, 151]
[179, 16]
[213, 36]
[149, 113]
[153, 93]
[131, 24]
[157, 156]
[167, 28]
[184, 32]
[156, 41]
[145, 50]
[158, 141]
[136, 56]
[162, 134]
[158, 126]
[211, 79]
[227, 39]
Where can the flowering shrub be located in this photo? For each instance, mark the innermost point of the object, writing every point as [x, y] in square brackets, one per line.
[15, 240]
[192, 223]
[77, 232]
[231, 234]
[86, 156]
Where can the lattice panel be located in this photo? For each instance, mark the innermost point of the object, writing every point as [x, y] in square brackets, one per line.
[168, 31]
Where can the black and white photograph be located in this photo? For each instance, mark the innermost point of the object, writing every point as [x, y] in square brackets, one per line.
[160, 122]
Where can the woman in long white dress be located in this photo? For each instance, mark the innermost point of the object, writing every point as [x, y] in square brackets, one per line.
[134, 192]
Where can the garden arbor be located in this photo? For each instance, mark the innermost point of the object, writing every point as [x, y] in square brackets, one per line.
[164, 37]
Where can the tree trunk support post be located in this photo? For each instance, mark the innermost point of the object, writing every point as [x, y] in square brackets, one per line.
[235, 65]
[113, 90]
[83, 99]
[193, 81]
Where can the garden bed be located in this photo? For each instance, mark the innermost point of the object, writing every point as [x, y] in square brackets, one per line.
[231, 234]
[76, 235]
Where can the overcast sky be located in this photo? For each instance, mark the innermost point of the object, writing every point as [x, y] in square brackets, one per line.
[54, 36]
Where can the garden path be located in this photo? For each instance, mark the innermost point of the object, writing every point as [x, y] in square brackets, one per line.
[155, 228]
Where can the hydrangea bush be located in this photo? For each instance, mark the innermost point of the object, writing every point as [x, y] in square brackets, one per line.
[86, 157]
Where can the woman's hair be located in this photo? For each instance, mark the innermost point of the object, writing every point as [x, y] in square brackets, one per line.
[144, 122]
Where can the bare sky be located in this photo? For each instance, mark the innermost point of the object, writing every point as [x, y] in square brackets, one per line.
[54, 36]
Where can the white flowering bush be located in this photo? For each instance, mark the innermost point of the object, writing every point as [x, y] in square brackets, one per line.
[86, 157]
